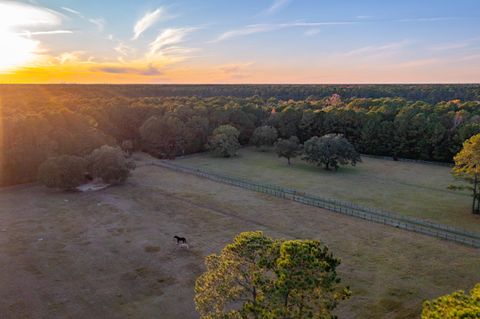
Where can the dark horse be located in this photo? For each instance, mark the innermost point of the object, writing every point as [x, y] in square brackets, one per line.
[182, 240]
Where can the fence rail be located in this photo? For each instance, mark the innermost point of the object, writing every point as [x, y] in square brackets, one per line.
[348, 208]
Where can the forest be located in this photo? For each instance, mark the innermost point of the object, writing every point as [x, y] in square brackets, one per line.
[424, 122]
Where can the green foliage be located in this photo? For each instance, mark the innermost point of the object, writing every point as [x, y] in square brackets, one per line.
[467, 166]
[456, 305]
[110, 164]
[64, 172]
[264, 137]
[162, 136]
[467, 161]
[258, 277]
[288, 148]
[224, 141]
[330, 150]
[414, 121]
[287, 121]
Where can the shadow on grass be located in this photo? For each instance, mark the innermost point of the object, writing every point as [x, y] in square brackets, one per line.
[311, 168]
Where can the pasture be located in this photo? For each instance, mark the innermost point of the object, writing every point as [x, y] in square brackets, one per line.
[413, 189]
[110, 253]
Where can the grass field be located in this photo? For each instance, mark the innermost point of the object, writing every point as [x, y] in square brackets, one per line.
[110, 253]
[418, 190]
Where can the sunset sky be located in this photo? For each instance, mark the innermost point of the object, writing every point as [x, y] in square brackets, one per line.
[255, 41]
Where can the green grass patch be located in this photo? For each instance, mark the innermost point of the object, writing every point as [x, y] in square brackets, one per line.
[413, 189]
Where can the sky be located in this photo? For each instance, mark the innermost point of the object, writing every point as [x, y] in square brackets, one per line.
[248, 41]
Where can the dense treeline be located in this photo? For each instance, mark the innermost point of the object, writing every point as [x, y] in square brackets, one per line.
[431, 93]
[36, 124]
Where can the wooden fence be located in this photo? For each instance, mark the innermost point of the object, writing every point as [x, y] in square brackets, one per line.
[347, 208]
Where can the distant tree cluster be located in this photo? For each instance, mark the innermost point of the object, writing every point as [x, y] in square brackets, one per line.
[67, 172]
[40, 122]
[224, 141]
[431, 93]
[264, 137]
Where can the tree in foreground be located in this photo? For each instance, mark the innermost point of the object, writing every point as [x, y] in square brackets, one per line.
[264, 137]
[64, 172]
[224, 141]
[456, 305]
[288, 148]
[467, 167]
[258, 277]
[110, 164]
[330, 150]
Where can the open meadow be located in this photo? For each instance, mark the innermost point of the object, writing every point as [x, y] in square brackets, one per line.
[110, 253]
[413, 189]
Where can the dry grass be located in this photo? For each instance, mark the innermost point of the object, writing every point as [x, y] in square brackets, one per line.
[110, 254]
[418, 190]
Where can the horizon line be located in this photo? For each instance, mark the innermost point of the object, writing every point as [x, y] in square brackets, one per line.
[260, 83]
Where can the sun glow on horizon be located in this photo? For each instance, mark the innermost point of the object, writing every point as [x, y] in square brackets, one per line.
[18, 48]
[17, 51]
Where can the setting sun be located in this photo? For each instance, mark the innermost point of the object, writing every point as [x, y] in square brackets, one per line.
[16, 50]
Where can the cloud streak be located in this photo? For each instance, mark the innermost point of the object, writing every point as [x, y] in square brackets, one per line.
[19, 15]
[30, 33]
[149, 70]
[380, 49]
[124, 49]
[234, 68]
[277, 5]
[166, 43]
[262, 28]
[148, 20]
[99, 22]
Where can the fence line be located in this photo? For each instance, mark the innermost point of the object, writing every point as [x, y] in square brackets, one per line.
[343, 207]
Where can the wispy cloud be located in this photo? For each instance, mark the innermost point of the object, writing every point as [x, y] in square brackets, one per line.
[149, 70]
[380, 49]
[455, 45]
[98, 22]
[428, 19]
[15, 14]
[148, 20]
[124, 49]
[277, 5]
[418, 63]
[235, 67]
[261, 28]
[249, 29]
[30, 33]
[470, 57]
[73, 56]
[449, 46]
[312, 32]
[167, 42]
[72, 11]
